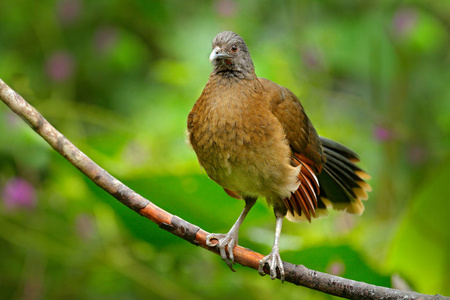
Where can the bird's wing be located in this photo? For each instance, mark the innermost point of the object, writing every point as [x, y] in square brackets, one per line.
[300, 133]
[306, 149]
[342, 183]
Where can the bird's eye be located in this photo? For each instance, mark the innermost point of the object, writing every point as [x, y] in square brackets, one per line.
[234, 48]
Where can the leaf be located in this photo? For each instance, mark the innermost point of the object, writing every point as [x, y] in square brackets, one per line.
[420, 251]
[341, 260]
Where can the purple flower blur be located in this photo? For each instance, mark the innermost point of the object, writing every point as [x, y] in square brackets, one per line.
[105, 38]
[311, 59]
[18, 193]
[404, 22]
[382, 134]
[60, 65]
[336, 268]
[225, 8]
[69, 11]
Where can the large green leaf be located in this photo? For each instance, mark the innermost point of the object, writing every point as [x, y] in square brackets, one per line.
[421, 249]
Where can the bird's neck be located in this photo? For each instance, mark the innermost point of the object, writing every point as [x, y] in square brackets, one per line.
[223, 82]
[234, 72]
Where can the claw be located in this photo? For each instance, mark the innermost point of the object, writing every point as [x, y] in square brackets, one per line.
[225, 241]
[229, 241]
[274, 261]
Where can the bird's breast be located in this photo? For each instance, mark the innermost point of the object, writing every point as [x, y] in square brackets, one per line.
[225, 132]
[239, 143]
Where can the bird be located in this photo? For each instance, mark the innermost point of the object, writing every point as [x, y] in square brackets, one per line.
[253, 138]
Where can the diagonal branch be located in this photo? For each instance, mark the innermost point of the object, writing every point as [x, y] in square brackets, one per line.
[296, 274]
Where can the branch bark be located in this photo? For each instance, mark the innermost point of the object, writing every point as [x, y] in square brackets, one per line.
[296, 274]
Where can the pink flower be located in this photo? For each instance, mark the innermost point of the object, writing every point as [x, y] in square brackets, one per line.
[60, 66]
[19, 193]
[69, 11]
[225, 8]
[383, 134]
[404, 22]
[105, 38]
[336, 268]
[311, 58]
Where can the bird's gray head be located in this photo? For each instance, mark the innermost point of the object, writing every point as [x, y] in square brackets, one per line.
[230, 56]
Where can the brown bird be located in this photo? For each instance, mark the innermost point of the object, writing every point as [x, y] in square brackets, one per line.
[253, 138]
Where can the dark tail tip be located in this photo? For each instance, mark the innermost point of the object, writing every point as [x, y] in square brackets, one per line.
[342, 182]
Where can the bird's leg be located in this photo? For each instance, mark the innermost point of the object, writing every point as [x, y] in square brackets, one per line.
[230, 239]
[273, 259]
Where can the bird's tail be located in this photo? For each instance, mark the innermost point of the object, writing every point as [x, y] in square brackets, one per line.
[340, 185]
[342, 182]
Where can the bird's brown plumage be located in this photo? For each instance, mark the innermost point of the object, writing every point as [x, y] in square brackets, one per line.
[252, 137]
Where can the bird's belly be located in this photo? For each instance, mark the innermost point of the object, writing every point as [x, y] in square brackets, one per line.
[240, 174]
[249, 165]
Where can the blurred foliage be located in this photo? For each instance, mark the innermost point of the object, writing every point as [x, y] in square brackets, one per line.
[118, 78]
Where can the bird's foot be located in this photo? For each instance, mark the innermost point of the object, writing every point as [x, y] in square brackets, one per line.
[274, 261]
[225, 241]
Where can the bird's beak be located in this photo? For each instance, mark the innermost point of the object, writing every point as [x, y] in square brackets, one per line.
[218, 53]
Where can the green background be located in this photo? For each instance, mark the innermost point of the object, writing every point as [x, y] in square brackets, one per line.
[118, 79]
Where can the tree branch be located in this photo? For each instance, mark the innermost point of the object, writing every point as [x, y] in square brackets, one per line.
[296, 274]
